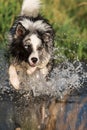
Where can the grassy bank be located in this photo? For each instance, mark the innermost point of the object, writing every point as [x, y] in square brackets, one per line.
[69, 19]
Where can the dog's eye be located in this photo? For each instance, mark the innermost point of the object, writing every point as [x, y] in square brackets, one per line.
[40, 48]
[26, 46]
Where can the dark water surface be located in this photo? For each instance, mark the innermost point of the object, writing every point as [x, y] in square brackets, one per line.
[64, 98]
[71, 114]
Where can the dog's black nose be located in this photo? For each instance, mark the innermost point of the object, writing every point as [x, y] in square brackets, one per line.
[34, 60]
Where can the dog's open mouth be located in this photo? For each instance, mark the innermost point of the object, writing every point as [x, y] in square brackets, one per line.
[32, 64]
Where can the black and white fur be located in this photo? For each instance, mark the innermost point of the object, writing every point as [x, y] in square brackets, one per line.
[31, 41]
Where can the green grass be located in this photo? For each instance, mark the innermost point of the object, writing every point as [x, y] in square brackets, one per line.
[9, 9]
[69, 20]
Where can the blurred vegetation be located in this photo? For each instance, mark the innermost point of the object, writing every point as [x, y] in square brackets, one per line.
[69, 19]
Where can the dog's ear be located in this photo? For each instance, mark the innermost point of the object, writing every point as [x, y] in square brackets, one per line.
[20, 30]
[47, 37]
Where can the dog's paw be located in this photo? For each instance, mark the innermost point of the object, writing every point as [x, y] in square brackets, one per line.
[13, 77]
[15, 82]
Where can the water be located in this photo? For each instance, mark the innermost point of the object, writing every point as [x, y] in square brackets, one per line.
[67, 84]
[63, 79]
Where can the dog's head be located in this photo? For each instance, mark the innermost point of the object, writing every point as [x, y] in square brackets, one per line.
[32, 41]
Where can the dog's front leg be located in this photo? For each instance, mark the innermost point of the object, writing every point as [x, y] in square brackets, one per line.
[13, 77]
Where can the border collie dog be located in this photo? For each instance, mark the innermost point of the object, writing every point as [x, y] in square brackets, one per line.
[31, 42]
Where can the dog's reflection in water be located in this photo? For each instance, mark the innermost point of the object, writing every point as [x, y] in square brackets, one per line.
[54, 115]
[43, 113]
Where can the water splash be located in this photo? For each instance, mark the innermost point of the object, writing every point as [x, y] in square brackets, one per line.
[64, 78]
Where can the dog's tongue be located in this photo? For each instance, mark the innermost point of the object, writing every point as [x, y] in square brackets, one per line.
[32, 65]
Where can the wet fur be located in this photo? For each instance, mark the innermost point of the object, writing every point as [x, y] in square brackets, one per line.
[27, 27]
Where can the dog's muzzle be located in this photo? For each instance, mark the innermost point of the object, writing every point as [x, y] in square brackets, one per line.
[33, 61]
